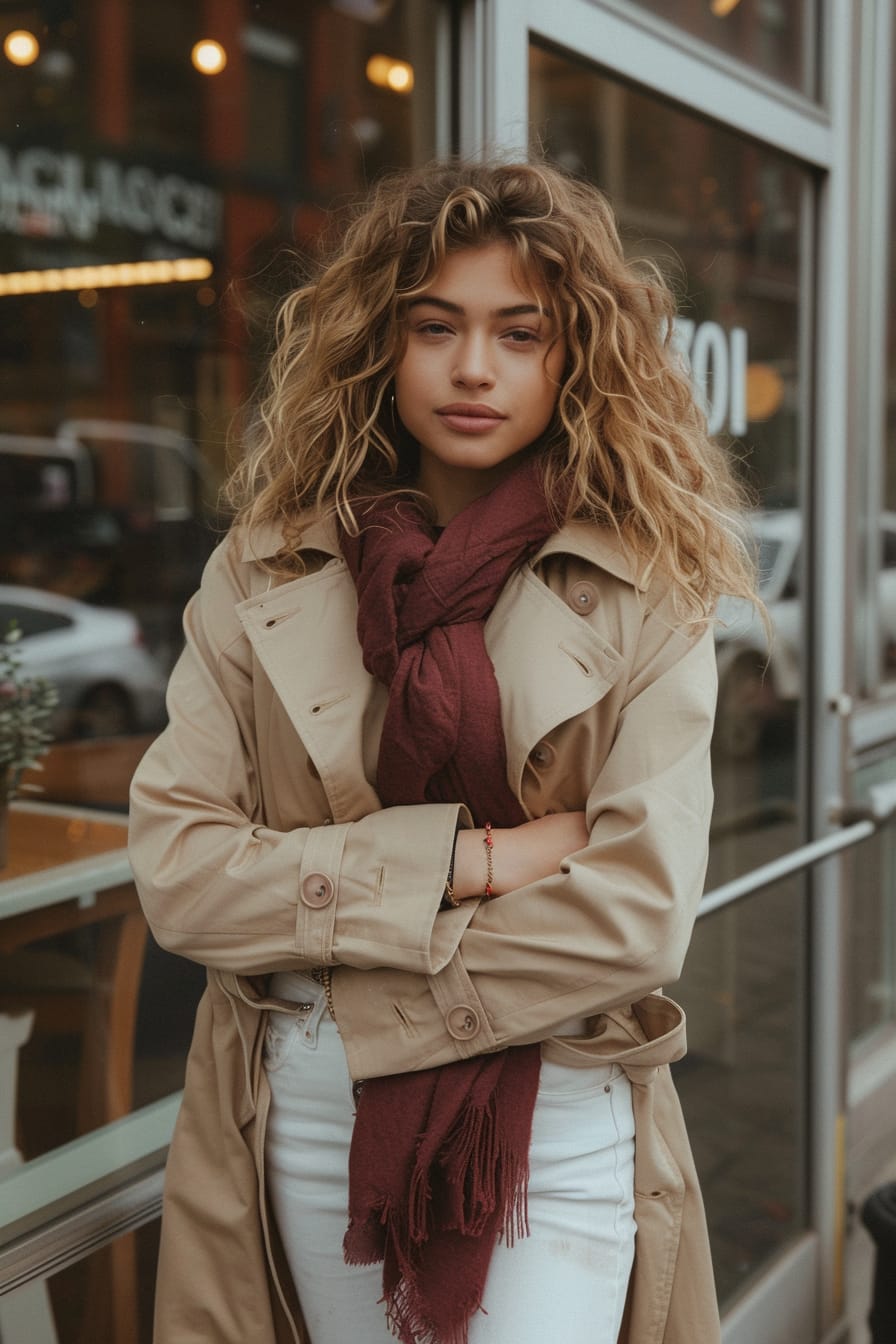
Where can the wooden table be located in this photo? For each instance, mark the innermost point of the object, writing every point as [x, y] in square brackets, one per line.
[58, 854]
[68, 868]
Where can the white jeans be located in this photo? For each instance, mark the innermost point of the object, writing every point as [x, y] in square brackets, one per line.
[567, 1280]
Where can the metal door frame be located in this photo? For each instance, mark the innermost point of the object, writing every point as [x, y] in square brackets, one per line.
[640, 47]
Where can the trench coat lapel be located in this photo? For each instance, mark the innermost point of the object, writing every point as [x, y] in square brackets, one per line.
[544, 681]
[303, 634]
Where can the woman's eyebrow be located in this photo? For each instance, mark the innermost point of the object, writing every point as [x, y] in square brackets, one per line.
[516, 310]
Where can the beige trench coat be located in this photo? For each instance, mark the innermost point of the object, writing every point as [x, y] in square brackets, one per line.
[258, 843]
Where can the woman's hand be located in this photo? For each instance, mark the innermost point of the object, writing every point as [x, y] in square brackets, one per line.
[520, 854]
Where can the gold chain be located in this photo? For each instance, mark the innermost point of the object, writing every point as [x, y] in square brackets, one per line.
[324, 974]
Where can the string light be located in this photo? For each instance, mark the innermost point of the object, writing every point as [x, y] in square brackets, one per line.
[21, 47]
[388, 73]
[765, 391]
[401, 78]
[105, 277]
[208, 56]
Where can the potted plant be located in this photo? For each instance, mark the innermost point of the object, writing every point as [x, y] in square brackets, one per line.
[26, 706]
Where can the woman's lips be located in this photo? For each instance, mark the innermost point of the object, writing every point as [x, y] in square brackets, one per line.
[470, 418]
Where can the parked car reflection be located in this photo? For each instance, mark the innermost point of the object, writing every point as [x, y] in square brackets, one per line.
[108, 683]
[114, 513]
[759, 680]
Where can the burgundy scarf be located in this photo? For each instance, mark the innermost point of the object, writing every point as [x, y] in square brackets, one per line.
[439, 1158]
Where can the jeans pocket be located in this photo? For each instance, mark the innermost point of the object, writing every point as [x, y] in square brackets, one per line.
[562, 1081]
[280, 1035]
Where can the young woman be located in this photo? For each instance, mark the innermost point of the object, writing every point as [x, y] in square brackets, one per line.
[432, 806]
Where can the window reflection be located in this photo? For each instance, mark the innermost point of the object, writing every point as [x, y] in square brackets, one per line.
[777, 37]
[759, 679]
[107, 682]
[742, 1083]
[122, 165]
[871, 871]
[888, 557]
[723, 218]
[870, 879]
[151, 217]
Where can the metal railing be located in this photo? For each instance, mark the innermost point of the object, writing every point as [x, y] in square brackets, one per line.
[61, 1227]
[858, 823]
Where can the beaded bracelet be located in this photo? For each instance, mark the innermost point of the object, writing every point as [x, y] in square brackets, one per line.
[489, 843]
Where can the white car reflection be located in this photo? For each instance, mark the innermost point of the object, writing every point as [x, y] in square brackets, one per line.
[759, 681]
[108, 683]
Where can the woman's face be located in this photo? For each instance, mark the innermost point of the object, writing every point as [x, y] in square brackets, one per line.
[479, 379]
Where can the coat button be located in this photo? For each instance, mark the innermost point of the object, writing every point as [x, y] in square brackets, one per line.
[582, 597]
[462, 1022]
[317, 891]
[542, 755]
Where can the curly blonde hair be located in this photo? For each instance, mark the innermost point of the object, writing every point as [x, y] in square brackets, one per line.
[628, 446]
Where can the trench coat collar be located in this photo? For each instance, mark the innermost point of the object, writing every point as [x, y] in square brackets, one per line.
[331, 699]
[587, 540]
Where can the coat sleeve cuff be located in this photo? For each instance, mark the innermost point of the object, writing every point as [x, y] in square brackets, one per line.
[390, 884]
[410, 1022]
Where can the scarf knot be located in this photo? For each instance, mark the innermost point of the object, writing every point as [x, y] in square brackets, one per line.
[423, 600]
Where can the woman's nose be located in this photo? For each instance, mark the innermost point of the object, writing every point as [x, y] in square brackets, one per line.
[473, 367]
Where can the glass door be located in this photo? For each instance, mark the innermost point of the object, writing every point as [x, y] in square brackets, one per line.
[668, 129]
[723, 217]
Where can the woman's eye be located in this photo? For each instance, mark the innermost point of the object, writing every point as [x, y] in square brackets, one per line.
[433, 328]
[522, 336]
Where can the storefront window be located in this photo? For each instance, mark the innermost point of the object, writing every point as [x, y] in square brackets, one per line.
[872, 924]
[724, 218]
[887, 578]
[870, 881]
[743, 1081]
[164, 168]
[775, 36]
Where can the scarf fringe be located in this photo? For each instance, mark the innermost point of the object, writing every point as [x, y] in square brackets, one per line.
[488, 1172]
[364, 1242]
[407, 1308]
[482, 1173]
[408, 1319]
[420, 1203]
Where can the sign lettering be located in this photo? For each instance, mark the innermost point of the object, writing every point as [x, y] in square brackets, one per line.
[63, 195]
[717, 363]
